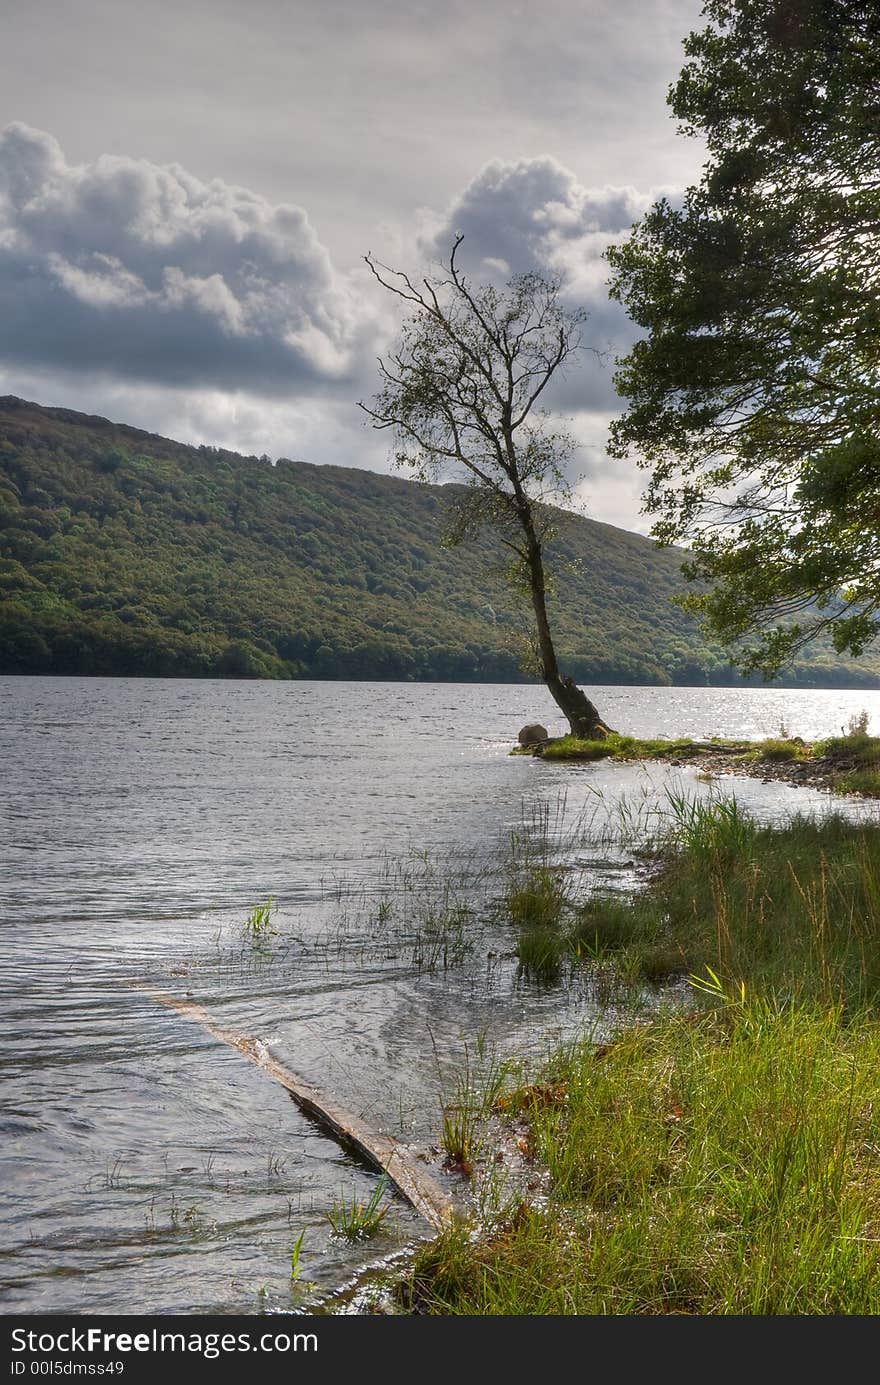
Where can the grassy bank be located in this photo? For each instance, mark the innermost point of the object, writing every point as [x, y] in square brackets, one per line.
[792, 912]
[720, 1157]
[847, 764]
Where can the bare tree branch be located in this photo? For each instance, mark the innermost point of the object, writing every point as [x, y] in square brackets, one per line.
[461, 389]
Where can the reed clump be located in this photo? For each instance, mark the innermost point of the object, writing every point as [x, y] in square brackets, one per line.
[258, 924]
[354, 1219]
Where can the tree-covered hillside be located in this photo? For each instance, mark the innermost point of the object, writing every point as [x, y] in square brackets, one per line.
[126, 553]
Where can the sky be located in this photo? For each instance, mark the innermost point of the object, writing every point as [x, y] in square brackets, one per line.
[187, 193]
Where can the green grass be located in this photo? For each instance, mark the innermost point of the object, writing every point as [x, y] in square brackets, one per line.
[707, 829]
[477, 1083]
[795, 911]
[720, 1158]
[860, 781]
[258, 923]
[856, 757]
[460, 1135]
[295, 1258]
[540, 952]
[843, 757]
[537, 898]
[613, 747]
[858, 746]
[718, 1165]
[782, 749]
[356, 1221]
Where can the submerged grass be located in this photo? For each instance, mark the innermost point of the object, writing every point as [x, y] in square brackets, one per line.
[536, 904]
[721, 1158]
[353, 1220]
[537, 900]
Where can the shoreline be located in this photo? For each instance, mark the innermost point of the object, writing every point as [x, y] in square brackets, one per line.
[848, 764]
[672, 1170]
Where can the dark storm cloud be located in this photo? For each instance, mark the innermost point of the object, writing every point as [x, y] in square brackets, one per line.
[149, 273]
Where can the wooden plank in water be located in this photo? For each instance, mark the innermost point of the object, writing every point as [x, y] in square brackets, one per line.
[382, 1151]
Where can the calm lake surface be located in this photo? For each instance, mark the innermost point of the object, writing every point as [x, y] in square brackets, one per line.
[147, 1167]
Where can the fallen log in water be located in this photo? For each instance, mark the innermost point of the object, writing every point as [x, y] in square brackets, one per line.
[382, 1151]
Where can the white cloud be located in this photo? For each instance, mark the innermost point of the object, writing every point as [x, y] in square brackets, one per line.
[202, 311]
[534, 215]
[148, 273]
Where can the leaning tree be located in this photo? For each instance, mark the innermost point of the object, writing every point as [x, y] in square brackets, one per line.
[461, 395]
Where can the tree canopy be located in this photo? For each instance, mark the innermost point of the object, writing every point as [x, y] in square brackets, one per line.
[754, 397]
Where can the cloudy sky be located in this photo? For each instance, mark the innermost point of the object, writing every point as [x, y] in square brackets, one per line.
[187, 192]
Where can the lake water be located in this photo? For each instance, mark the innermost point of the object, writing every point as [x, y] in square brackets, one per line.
[146, 1166]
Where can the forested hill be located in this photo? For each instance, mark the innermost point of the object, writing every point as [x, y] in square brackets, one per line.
[126, 553]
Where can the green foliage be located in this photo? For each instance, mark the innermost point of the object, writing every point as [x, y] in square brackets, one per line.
[781, 749]
[856, 759]
[258, 923]
[753, 396]
[858, 749]
[192, 562]
[865, 782]
[356, 1221]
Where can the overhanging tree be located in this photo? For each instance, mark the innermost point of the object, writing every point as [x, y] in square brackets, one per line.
[462, 392]
[754, 398]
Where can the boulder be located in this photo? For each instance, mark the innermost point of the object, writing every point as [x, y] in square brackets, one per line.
[533, 734]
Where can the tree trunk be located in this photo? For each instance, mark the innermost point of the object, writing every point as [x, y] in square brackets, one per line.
[582, 715]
